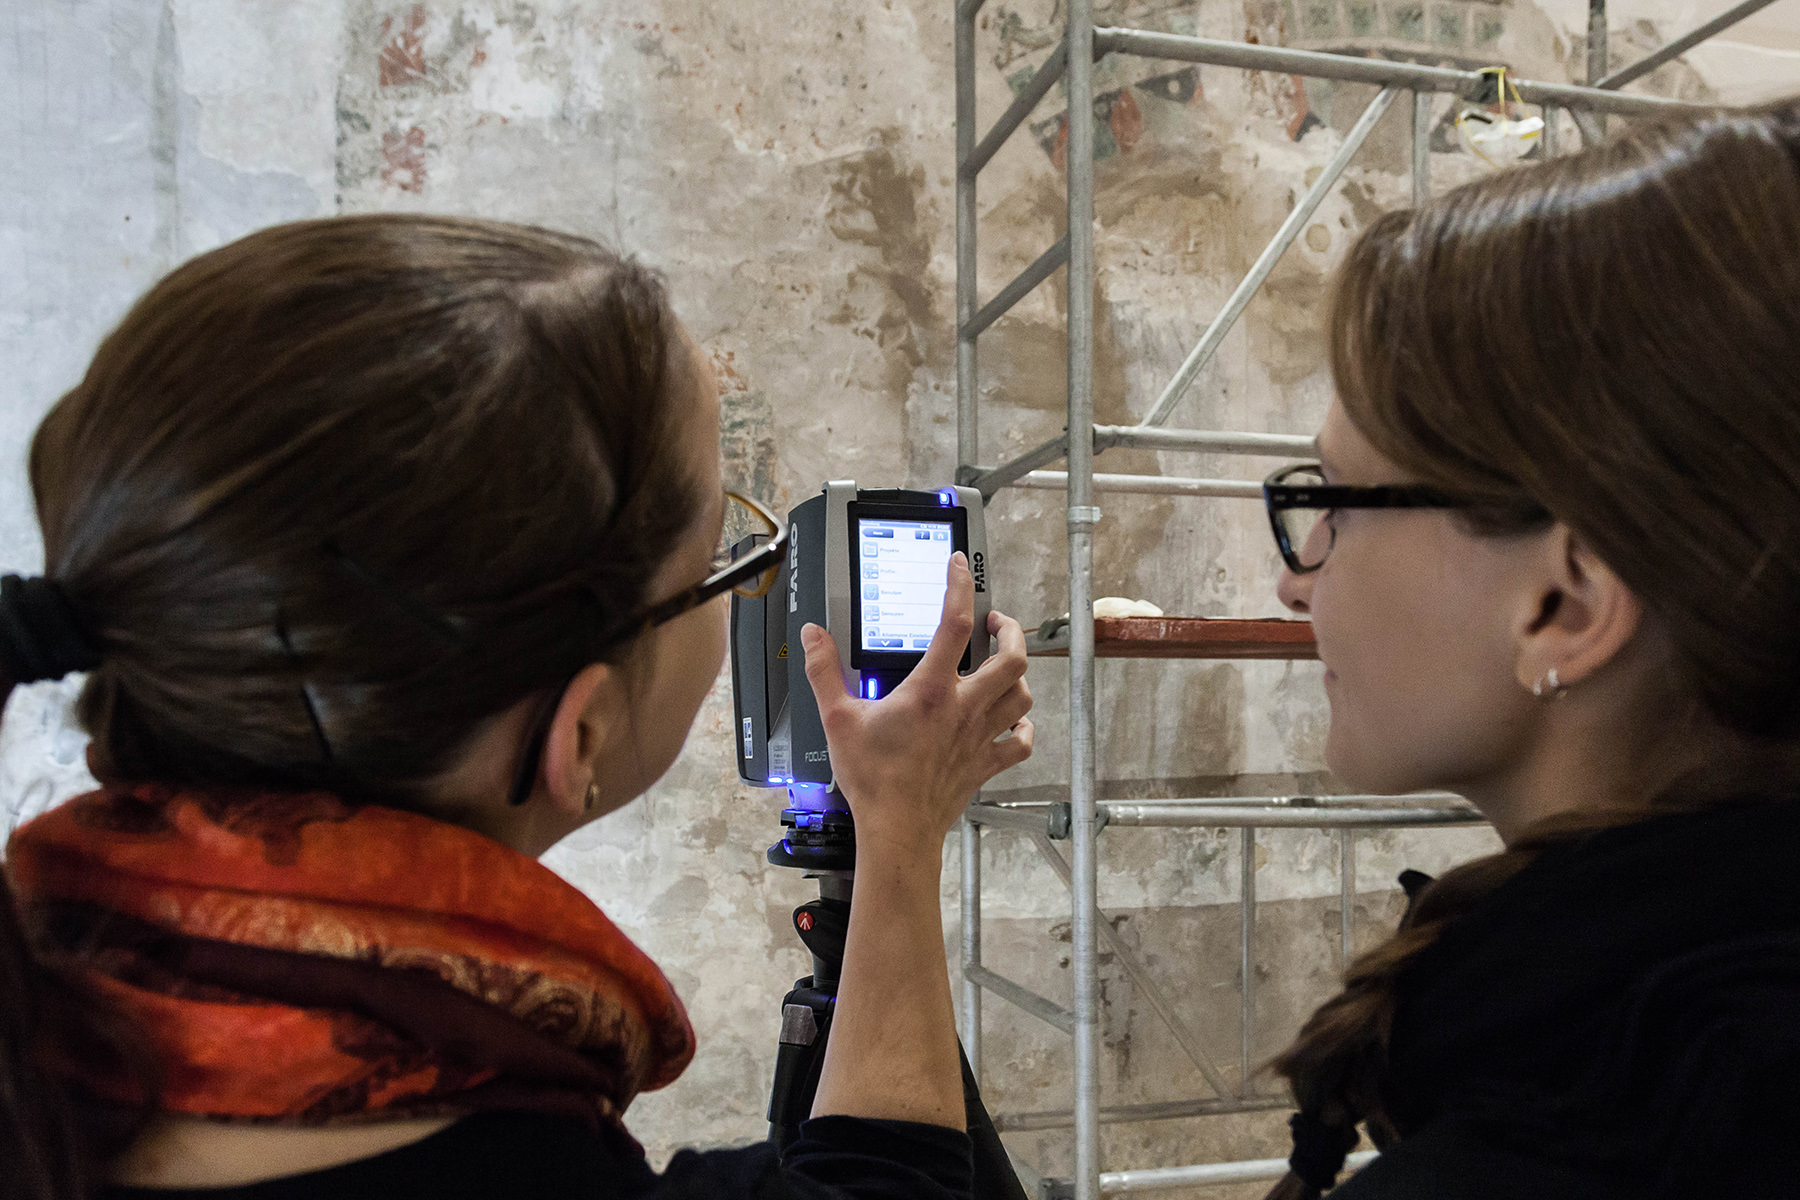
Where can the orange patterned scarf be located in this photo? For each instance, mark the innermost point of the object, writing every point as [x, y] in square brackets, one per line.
[293, 958]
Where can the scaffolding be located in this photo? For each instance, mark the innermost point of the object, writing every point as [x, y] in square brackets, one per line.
[1083, 638]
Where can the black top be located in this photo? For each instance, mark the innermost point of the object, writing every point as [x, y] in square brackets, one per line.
[1621, 1018]
[519, 1156]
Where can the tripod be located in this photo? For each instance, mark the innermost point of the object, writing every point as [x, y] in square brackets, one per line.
[822, 842]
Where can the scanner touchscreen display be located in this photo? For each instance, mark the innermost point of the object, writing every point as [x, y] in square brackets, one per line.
[902, 581]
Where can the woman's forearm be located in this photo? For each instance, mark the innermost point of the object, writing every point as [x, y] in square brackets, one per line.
[892, 1051]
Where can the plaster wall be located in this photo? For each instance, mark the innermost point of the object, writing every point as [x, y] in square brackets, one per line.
[791, 170]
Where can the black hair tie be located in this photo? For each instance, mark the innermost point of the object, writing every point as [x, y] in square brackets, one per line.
[40, 636]
[1319, 1149]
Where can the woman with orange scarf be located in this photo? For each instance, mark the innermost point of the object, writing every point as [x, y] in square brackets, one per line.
[391, 545]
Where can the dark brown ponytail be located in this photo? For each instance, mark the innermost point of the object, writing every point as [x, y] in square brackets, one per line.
[1608, 338]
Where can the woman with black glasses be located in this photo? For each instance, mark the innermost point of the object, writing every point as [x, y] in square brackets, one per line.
[396, 550]
[1551, 554]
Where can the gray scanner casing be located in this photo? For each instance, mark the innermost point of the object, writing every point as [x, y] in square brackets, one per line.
[781, 740]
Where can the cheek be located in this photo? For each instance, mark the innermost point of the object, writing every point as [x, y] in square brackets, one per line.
[691, 652]
[1419, 653]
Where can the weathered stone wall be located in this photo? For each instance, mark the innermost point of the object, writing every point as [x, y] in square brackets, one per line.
[790, 168]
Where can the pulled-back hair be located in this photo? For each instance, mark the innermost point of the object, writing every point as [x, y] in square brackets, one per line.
[327, 500]
[333, 494]
[1611, 338]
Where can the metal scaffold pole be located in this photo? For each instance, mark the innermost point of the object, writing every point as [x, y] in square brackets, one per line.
[1593, 125]
[1247, 959]
[1082, 515]
[1421, 148]
[971, 944]
[968, 416]
[968, 449]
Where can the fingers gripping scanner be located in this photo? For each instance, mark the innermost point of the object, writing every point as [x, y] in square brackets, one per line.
[869, 566]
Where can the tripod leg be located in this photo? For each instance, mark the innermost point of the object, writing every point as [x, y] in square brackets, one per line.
[805, 1026]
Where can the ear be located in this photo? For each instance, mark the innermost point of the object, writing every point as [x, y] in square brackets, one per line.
[588, 718]
[1585, 615]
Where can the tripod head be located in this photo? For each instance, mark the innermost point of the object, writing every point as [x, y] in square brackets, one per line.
[821, 834]
[820, 840]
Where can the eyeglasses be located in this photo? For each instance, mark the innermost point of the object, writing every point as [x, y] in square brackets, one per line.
[741, 564]
[1300, 500]
[746, 562]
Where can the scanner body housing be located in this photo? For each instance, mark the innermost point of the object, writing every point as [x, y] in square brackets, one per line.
[859, 564]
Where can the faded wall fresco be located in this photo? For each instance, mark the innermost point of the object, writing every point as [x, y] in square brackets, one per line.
[791, 171]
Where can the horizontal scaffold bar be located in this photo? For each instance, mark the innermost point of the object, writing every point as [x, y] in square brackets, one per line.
[1124, 1114]
[1206, 441]
[1379, 71]
[1155, 1179]
[1051, 820]
[1042, 818]
[1151, 485]
[1048, 1011]
[1106, 437]
[1012, 293]
[1021, 107]
[1167, 813]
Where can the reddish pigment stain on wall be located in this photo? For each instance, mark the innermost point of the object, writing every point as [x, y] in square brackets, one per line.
[403, 53]
[403, 159]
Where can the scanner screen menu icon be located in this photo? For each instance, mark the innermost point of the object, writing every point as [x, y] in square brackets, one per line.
[903, 578]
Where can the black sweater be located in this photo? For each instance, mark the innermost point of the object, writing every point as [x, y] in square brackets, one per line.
[1622, 1018]
[519, 1156]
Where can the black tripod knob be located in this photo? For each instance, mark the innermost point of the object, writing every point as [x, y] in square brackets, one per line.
[823, 925]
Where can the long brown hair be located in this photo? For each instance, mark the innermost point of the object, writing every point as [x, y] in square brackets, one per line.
[1609, 339]
[330, 498]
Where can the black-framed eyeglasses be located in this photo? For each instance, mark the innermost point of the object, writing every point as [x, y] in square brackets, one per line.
[746, 562]
[1300, 500]
[741, 564]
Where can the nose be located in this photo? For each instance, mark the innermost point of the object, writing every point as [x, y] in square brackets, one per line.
[1295, 591]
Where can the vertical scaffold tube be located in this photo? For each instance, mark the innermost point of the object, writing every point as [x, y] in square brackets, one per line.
[968, 427]
[968, 451]
[1346, 893]
[1247, 936]
[1082, 516]
[1596, 62]
[1596, 41]
[1421, 148]
[971, 943]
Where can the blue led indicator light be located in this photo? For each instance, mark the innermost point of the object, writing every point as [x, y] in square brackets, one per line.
[946, 497]
[872, 688]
